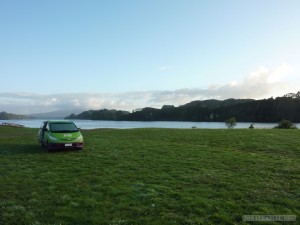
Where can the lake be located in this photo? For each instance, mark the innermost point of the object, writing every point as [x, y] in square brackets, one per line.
[92, 124]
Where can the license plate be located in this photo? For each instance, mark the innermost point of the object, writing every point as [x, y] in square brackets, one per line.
[68, 145]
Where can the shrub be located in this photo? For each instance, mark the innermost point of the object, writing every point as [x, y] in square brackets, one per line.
[285, 124]
[231, 122]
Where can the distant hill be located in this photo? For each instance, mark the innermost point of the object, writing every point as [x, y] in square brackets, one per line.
[10, 116]
[103, 114]
[213, 103]
[59, 114]
[246, 110]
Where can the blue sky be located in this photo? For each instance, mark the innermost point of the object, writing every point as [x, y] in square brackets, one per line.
[61, 54]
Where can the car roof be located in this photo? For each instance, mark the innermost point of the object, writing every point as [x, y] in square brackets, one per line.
[59, 121]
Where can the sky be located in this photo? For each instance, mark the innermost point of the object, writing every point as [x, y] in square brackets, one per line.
[129, 54]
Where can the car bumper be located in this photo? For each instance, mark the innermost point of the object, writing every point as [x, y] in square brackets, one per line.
[74, 145]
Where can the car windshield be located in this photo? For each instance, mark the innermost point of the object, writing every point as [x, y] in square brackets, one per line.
[63, 127]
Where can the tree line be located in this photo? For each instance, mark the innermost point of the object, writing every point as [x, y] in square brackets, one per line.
[11, 116]
[244, 110]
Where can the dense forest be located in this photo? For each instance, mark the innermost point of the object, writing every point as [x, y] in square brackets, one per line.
[244, 110]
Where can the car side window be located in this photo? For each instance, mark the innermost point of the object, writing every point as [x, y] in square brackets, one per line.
[44, 125]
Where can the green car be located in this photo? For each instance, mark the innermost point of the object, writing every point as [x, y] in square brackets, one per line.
[60, 134]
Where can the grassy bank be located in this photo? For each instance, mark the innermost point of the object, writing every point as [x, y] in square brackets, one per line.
[150, 176]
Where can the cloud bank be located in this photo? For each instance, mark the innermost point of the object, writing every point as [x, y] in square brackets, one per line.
[261, 83]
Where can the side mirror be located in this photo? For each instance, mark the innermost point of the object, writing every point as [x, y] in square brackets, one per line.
[45, 129]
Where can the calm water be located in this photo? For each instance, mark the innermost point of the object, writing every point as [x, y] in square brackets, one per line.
[92, 124]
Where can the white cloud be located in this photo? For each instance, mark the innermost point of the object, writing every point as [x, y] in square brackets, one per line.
[165, 68]
[280, 73]
[261, 83]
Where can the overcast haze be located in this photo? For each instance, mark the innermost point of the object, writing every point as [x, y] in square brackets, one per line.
[57, 55]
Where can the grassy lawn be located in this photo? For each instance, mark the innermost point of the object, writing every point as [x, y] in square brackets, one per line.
[151, 176]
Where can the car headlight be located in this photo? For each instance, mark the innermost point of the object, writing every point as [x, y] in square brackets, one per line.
[52, 138]
[80, 138]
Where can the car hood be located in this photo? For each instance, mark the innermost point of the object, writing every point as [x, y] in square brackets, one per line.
[66, 136]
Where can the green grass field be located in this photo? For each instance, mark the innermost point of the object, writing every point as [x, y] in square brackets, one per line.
[151, 176]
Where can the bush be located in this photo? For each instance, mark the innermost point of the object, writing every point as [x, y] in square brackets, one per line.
[231, 122]
[285, 124]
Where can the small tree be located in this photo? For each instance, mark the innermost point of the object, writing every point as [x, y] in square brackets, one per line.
[231, 122]
[285, 124]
